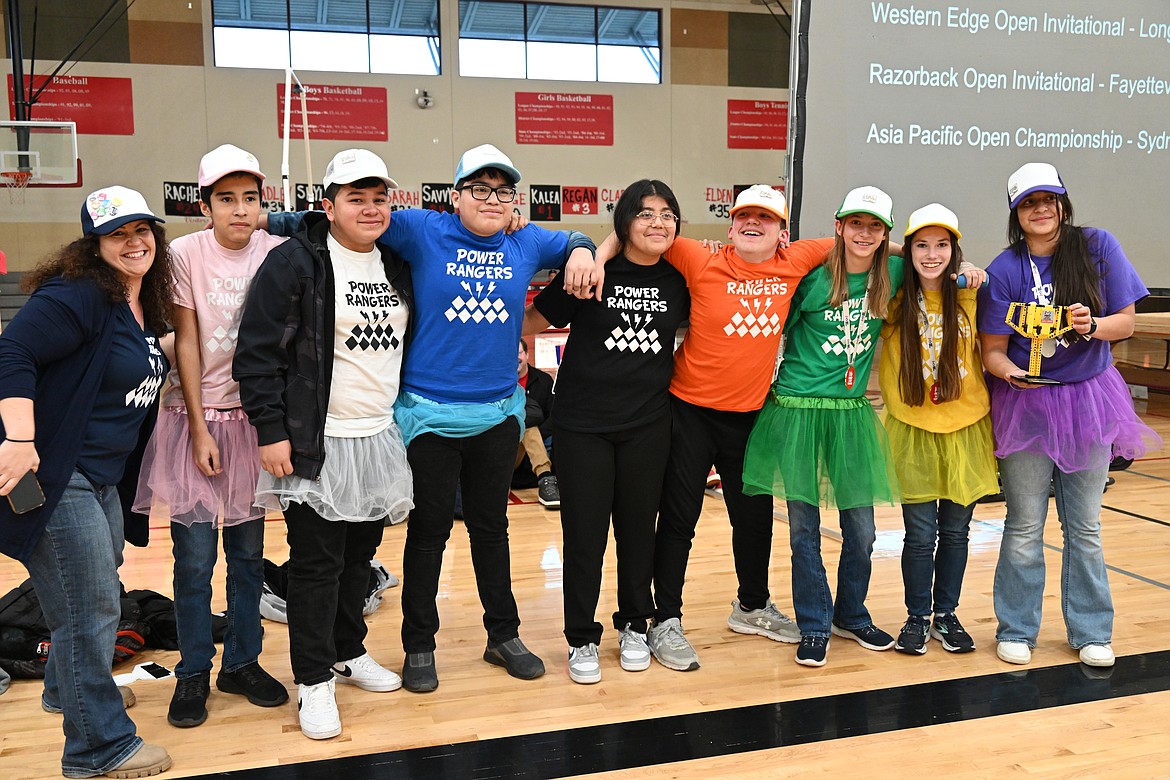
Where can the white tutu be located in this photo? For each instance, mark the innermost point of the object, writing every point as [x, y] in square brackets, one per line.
[362, 479]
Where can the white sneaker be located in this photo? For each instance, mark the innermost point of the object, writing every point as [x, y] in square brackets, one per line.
[635, 650]
[1013, 652]
[1097, 655]
[584, 666]
[367, 674]
[317, 710]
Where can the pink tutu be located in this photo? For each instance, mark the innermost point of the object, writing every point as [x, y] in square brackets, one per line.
[169, 475]
[1079, 426]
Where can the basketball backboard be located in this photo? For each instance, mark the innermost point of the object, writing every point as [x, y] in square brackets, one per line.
[45, 151]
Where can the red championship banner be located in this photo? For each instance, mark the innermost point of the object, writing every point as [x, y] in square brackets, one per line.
[100, 105]
[337, 113]
[563, 118]
[757, 124]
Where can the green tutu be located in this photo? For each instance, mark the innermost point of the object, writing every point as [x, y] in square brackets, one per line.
[831, 452]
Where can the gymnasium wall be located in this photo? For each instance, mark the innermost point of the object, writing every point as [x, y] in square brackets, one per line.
[183, 106]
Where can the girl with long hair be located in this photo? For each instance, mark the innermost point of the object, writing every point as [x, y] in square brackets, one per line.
[936, 417]
[1060, 433]
[817, 441]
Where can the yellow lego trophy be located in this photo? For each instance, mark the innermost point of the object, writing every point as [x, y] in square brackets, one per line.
[1039, 323]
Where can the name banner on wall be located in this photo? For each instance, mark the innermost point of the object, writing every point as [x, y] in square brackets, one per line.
[337, 113]
[181, 199]
[99, 105]
[579, 201]
[757, 124]
[552, 118]
[437, 197]
[546, 203]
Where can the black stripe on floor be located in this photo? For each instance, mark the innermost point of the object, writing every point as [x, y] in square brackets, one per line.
[664, 740]
[1135, 515]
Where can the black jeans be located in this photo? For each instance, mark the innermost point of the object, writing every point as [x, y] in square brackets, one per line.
[328, 575]
[600, 474]
[482, 465]
[702, 437]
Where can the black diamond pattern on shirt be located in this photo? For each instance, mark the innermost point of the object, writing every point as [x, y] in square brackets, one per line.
[372, 337]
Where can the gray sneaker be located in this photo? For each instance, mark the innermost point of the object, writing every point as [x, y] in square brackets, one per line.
[635, 651]
[584, 666]
[671, 648]
[769, 622]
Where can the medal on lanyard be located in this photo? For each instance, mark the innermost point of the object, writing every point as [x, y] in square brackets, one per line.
[926, 335]
[851, 346]
[1048, 344]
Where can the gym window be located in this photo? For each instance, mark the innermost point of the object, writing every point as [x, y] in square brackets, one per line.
[350, 36]
[559, 42]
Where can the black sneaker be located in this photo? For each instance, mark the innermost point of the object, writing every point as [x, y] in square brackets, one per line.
[547, 491]
[250, 680]
[520, 662]
[870, 637]
[812, 650]
[418, 673]
[189, 702]
[914, 636]
[948, 630]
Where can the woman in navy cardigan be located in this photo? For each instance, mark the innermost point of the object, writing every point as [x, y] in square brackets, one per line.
[80, 371]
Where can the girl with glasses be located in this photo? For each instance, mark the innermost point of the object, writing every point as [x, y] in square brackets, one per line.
[612, 420]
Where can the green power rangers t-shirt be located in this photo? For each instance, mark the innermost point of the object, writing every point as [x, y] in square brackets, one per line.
[824, 343]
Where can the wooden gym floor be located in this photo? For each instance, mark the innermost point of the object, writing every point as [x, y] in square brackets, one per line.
[750, 711]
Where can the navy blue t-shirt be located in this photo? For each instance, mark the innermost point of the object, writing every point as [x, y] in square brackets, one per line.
[134, 373]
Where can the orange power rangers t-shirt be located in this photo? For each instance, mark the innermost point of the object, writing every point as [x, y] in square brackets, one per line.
[738, 309]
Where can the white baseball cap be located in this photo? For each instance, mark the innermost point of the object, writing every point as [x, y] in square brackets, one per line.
[868, 200]
[355, 164]
[1033, 177]
[485, 156]
[109, 208]
[224, 160]
[933, 214]
[762, 196]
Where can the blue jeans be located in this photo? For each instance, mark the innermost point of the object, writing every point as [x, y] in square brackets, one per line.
[1019, 575]
[196, 548]
[815, 610]
[74, 569]
[922, 565]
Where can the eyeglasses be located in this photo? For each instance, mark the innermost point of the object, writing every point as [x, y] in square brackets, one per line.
[1038, 200]
[483, 192]
[667, 217]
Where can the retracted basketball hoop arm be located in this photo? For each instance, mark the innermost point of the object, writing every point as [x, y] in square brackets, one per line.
[289, 77]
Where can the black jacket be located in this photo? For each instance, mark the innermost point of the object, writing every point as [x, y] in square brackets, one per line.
[284, 355]
[538, 401]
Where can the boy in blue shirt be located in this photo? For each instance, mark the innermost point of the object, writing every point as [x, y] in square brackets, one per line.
[461, 411]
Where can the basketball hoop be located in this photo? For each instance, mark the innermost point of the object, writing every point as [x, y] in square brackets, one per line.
[17, 183]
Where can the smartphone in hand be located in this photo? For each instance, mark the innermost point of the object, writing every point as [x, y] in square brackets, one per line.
[27, 494]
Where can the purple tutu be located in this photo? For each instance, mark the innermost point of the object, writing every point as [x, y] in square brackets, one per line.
[1079, 426]
[169, 475]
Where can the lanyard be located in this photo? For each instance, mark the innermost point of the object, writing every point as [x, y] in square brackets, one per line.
[853, 345]
[1041, 298]
[926, 336]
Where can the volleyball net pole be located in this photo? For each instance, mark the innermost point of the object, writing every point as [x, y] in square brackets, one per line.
[289, 78]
